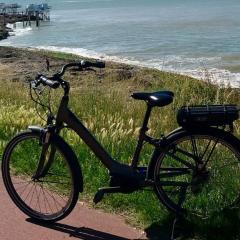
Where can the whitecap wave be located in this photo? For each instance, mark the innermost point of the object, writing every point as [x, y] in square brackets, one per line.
[218, 76]
[92, 54]
[77, 51]
[21, 31]
[18, 31]
[14, 33]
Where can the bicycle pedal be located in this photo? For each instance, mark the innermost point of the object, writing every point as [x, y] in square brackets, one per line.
[98, 196]
[101, 191]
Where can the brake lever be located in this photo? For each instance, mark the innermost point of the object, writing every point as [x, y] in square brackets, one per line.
[34, 84]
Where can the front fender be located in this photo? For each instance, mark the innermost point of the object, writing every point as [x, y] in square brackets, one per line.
[35, 128]
[44, 133]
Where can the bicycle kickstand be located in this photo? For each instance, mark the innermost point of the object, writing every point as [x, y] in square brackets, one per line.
[174, 227]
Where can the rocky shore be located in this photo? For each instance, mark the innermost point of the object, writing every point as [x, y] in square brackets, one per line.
[17, 65]
[4, 20]
[3, 29]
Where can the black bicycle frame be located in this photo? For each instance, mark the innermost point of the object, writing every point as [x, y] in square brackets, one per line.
[64, 115]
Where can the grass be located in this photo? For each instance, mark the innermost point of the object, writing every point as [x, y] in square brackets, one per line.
[101, 100]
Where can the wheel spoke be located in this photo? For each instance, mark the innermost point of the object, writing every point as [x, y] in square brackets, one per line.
[25, 182]
[47, 200]
[22, 186]
[205, 151]
[187, 164]
[188, 154]
[29, 192]
[20, 194]
[38, 202]
[56, 202]
[174, 173]
[59, 195]
[43, 195]
[59, 174]
[32, 194]
[61, 183]
[210, 154]
[173, 183]
[182, 196]
[194, 148]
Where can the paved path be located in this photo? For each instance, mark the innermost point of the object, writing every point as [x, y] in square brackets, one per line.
[82, 223]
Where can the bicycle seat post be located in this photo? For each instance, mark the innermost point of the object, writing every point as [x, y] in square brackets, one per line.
[141, 138]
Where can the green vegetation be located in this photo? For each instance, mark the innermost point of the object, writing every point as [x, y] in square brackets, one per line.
[101, 100]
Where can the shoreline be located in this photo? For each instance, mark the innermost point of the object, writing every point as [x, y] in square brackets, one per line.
[215, 76]
[223, 77]
[4, 30]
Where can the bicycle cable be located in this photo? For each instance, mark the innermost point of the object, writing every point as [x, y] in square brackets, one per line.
[46, 107]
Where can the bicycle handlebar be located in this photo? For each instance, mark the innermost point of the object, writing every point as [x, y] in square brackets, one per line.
[51, 83]
[82, 64]
[97, 64]
[55, 81]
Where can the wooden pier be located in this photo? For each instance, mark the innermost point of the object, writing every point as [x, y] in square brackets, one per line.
[12, 13]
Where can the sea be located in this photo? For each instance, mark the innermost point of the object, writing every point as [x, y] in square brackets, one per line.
[199, 38]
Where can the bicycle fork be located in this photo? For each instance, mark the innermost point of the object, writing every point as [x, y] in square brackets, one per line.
[46, 157]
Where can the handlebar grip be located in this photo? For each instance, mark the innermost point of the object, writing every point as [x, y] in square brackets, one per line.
[48, 82]
[97, 64]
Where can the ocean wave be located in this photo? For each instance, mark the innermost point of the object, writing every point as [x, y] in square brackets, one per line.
[18, 31]
[92, 54]
[22, 31]
[77, 51]
[198, 68]
[217, 76]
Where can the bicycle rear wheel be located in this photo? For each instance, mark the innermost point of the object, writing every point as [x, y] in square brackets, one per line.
[198, 174]
[50, 197]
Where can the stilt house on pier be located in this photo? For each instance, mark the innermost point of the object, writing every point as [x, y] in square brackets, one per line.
[9, 8]
[41, 10]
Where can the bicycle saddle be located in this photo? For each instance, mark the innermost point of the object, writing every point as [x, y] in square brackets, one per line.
[160, 98]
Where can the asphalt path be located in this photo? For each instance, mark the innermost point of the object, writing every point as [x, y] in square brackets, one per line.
[83, 223]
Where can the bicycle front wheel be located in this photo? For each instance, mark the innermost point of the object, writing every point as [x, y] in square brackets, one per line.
[51, 196]
[199, 172]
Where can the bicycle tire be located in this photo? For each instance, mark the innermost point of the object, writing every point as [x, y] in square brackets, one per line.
[185, 186]
[47, 199]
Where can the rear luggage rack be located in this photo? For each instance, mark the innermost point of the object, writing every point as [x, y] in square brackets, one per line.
[209, 115]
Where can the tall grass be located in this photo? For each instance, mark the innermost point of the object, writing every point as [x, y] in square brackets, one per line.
[101, 100]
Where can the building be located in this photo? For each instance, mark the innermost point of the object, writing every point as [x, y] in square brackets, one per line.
[37, 8]
[9, 8]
